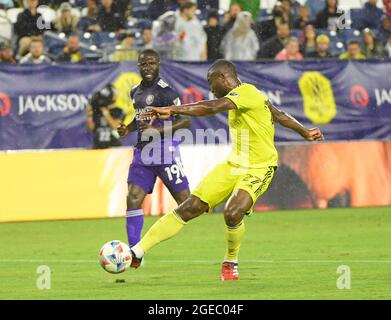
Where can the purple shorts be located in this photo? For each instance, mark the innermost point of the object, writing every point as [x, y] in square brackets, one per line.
[172, 176]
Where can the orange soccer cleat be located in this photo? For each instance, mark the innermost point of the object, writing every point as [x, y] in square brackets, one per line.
[229, 271]
[136, 262]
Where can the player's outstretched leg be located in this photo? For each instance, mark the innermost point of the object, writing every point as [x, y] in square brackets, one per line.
[134, 217]
[169, 225]
[237, 205]
[134, 214]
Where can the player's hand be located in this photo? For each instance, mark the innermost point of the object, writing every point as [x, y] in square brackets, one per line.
[122, 130]
[313, 134]
[162, 113]
[105, 111]
[143, 126]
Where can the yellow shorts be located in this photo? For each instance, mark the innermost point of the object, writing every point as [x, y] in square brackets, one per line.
[226, 178]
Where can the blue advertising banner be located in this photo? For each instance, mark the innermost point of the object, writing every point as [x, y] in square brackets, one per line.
[43, 106]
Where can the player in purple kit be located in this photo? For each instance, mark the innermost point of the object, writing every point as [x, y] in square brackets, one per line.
[165, 161]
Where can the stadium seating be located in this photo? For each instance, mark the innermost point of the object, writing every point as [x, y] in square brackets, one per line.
[356, 16]
[296, 33]
[54, 45]
[324, 31]
[347, 35]
[144, 23]
[264, 13]
[202, 14]
[140, 8]
[138, 21]
[103, 39]
[85, 38]
[78, 3]
[336, 48]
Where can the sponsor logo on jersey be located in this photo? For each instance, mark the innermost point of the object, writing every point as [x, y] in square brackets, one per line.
[235, 123]
[138, 114]
[149, 99]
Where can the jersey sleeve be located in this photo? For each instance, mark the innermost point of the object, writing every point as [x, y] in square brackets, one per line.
[246, 97]
[239, 98]
[132, 92]
[172, 97]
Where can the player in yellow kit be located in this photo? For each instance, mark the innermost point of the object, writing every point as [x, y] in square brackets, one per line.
[243, 177]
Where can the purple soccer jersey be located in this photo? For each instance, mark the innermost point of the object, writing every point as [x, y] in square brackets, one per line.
[156, 159]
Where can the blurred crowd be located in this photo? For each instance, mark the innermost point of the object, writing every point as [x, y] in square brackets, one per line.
[45, 31]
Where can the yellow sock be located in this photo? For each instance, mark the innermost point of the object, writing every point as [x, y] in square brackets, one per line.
[234, 236]
[163, 229]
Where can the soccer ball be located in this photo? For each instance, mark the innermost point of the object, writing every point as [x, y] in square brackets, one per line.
[115, 256]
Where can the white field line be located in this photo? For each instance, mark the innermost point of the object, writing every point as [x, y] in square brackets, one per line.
[279, 261]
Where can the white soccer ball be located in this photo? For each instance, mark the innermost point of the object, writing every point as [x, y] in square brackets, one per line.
[115, 256]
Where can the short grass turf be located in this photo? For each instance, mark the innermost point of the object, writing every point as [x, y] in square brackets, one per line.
[285, 255]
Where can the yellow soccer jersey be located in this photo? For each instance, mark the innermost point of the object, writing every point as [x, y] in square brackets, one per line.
[251, 128]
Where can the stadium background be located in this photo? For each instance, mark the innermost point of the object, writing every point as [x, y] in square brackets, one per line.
[42, 108]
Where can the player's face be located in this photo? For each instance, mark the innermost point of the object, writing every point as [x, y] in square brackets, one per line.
[217, 85]
[149, 67]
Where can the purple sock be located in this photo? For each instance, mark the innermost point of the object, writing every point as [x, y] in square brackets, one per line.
[134, 225]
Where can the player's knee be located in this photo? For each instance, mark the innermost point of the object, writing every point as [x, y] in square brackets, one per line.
[182, 196]
[191, 208]
[133, 202]
[233, 214]
[134, 199]
[197, 206]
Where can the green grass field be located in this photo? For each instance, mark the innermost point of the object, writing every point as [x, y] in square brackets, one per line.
[285, 255]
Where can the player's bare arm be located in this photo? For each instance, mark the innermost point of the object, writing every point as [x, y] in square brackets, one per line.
[286, 120]
[124, 130]
[198, 109]
[180, 122]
